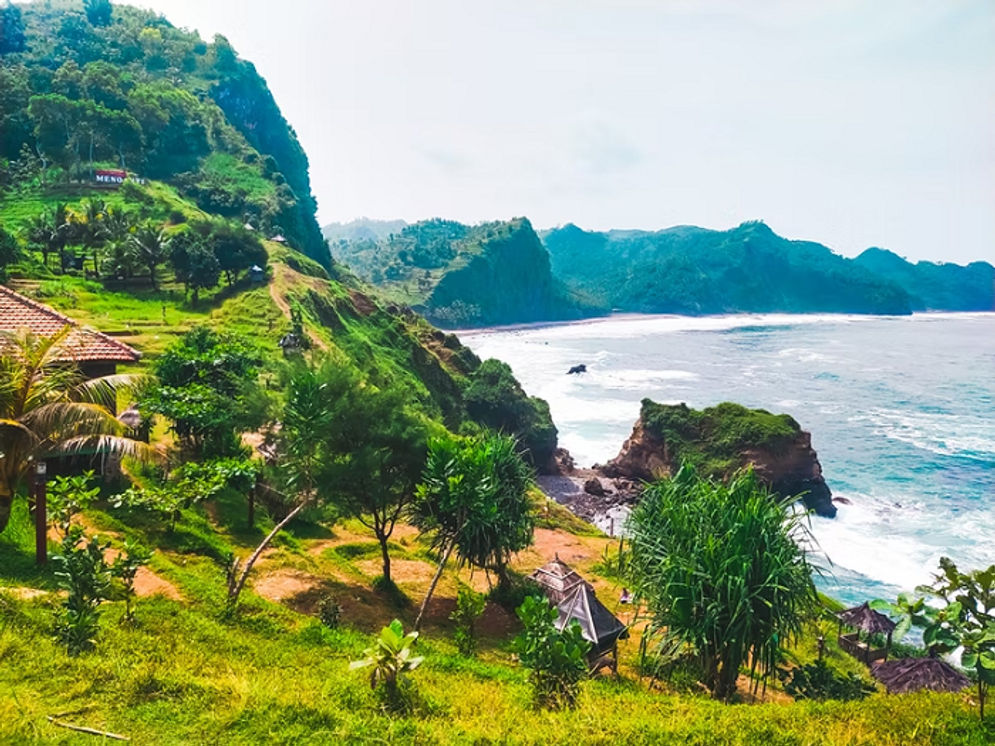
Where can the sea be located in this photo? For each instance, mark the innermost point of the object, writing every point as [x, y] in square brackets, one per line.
[901, 412]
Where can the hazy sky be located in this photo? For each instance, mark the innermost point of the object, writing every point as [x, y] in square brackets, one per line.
[851, 123]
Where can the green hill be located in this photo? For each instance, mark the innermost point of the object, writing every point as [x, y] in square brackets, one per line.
[935, 287]
[126, 89]
[460, 275]
[210, 151]
[692, 270]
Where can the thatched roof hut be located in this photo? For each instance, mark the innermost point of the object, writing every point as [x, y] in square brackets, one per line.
[864, 619]
[558, 580]
[913, 674]
[867, 620]
[598, 625]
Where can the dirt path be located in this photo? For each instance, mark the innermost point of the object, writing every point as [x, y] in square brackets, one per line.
[280, 273]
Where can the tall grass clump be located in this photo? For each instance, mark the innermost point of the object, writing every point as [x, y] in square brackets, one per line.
[722, 572]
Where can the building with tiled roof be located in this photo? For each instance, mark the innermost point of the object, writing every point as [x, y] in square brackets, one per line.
[95, 353]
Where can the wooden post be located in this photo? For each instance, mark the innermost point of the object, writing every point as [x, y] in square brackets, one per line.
[41, 515]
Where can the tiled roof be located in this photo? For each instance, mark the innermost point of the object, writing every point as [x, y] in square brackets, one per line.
[18, 312]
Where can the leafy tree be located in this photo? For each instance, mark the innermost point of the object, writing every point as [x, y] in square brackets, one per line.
[965, 621]
[495, 399]
[469, 606]
[378, 450]
[151, 244]
[195, 265]
[472, 500]
[84, 575]
[48, 408]
[11, 29]
[391, 658]
[558, 659]
[98, 12]
[721, 571]
[205, 386]
[9, 251]
[353, 445]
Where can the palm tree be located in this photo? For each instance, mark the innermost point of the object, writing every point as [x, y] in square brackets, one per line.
[48, 409]
[91, 229]
[151, 242]
[50, 231]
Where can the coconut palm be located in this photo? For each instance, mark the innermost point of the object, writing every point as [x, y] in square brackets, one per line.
[151, 244]
[49, 231]
[48, 408]
[90, 229]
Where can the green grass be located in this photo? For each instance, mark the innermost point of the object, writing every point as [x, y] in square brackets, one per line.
[187, 674]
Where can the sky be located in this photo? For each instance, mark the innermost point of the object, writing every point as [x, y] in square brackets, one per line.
[851, 123]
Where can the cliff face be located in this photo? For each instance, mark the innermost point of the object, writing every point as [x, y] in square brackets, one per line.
[719, 440]
[508, 281]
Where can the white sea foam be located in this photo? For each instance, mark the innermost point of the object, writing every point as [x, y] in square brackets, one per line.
[930, 387]
[944, 434]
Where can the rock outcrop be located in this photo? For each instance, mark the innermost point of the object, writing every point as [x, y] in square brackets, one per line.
[719, 440]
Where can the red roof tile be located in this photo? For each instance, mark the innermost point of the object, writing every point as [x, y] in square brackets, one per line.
[18, 312]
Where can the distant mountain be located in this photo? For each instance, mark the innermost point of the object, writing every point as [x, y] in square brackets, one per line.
[459, 275]
[362, 229]
[690, 270]
[932, 286]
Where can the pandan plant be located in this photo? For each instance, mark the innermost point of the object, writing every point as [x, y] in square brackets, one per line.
[391, 659]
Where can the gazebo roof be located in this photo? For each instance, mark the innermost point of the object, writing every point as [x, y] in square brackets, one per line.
[912, 674]
[864, 618]
[598, 625]
[80, 345]
[558, 580]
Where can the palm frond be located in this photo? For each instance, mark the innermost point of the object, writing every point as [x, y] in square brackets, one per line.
[109, 444]
[68, 417]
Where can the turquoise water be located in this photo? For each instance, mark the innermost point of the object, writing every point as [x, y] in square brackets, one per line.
[901, 411]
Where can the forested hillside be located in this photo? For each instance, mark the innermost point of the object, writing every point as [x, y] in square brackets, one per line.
[216, 184]
[694, 270]
[459, 275]
[84, 88]
[935, 287]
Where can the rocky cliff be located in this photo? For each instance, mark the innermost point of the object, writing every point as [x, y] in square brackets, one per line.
[718, 440]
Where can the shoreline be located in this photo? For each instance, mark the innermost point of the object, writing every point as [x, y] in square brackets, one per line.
[813, 317]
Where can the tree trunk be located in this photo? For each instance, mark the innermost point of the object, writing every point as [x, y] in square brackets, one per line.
[382, 538]
[152, 276]
[6, 501]
[233, 593]
[435, 582]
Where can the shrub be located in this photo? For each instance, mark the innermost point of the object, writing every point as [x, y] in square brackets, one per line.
[818, 681]
[125, 568]
[557, 659]
[83, 573]
[330, 611]
[391, 659]
[721, 572]
[469, 607]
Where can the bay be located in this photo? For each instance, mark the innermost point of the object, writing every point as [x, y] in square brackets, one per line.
[901, 411]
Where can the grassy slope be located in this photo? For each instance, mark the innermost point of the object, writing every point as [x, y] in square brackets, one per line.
[184, 674]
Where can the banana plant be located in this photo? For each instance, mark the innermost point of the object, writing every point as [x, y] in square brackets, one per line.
[391, 657]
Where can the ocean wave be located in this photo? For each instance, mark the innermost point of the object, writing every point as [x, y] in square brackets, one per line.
[940, 433]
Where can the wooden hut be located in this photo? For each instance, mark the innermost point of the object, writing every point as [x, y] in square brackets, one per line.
[575, 600]
[914, 674]
[558, 580]
[864, 619]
